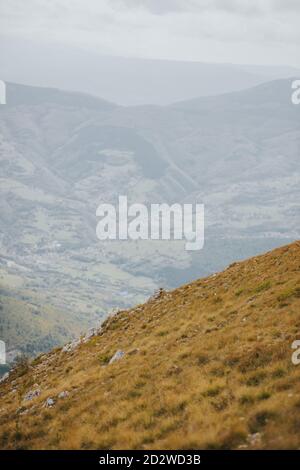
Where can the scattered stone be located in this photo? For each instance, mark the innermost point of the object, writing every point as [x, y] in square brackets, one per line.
[76, 342]
[254, 439]
[91, 332]
[4, 377]
[32, 394]
[117, 356]
[71, 346]
[49, 403]
[63, 394]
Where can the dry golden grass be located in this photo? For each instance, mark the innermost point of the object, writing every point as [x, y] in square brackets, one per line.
[206, 366]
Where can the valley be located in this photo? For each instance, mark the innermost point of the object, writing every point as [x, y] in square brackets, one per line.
[62, 154]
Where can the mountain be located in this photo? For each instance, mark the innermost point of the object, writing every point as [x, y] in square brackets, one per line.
[31, 325]
[206, 366]
[61, 154]
[128, 81]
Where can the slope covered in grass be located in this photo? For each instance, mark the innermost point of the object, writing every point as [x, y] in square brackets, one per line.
[205, 366]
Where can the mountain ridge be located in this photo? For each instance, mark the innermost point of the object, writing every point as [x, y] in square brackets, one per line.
[128, 81]
[35, 93]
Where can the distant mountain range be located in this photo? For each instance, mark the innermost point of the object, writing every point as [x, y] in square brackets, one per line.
[61, 154]
[127, 80]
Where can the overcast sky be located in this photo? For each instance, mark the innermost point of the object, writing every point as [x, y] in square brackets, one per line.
[236, 31]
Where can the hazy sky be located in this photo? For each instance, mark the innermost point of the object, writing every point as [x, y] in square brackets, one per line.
[237, 31]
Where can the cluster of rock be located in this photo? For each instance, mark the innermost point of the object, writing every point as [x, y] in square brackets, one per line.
[4, 377]
[76, 342]
[71, 346]
[32, 394]
[50, 402]
[253, 440]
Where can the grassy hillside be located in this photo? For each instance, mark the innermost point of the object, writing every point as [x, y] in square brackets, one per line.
[205, 366]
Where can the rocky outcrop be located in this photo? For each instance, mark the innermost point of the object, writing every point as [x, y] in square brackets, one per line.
[117, 356]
